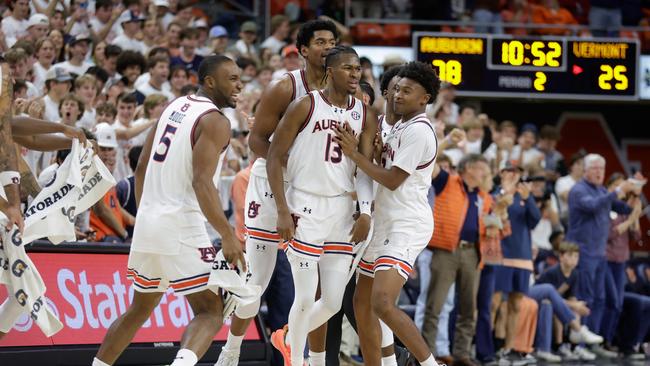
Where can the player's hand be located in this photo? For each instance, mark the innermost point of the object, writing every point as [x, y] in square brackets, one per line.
[75, 133]
[233, 252]
[360, 229]
[524, 189]
[286, 226]
[15, 218]
[346, 139]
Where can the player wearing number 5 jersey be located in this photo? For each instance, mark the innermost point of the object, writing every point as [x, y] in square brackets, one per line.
[316, 214]
[171, 249]
[403, 218]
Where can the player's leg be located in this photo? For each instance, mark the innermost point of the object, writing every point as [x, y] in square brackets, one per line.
[261, 248]
[208, 319]
[305, 280]
[123, 329]
[386, 288]
[367, 321]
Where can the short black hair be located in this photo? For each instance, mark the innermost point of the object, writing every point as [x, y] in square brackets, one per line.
[112, 50]
[134, 156]
[336, 52]
[387, 76]
[210, 64]
[189, 89]
[307, 30]
[367, 89]
[127, 98]
[468, 159]
[103, 4]
[156, 50]
[424, 75]
[99, 73]
[244, 62]
[188, 33]
[130, 58]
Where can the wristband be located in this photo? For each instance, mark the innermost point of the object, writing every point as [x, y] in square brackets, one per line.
[365, 207]
[9, 177]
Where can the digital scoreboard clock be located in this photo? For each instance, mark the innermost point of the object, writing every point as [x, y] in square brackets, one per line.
[544, 67]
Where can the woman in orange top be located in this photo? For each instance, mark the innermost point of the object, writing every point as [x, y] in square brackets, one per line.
[518, 11]
[551, 13]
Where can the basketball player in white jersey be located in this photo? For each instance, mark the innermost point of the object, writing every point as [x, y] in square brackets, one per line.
[403, 217]
[315, 38]
[182, 159]
[387, 88]
[315, 216]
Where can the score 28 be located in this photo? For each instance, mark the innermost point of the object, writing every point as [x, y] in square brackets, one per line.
[450, 71]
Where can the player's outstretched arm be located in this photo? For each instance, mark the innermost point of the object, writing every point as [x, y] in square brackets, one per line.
[285, 134]
[213, 136]
[273, 104]
[28, 126]
[390, 178]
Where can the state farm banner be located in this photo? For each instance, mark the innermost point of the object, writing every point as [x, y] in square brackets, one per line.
[87, 292]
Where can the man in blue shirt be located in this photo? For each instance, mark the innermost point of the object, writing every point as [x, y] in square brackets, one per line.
[589, 206]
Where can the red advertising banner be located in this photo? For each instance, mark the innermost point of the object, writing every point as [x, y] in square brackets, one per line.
[88, 292]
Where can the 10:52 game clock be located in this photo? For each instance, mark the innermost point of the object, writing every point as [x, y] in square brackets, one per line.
[528, 67]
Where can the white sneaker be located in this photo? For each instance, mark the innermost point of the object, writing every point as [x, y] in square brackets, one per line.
[548, 357]
[584, 335]
[228, 357]
[602, 352]
[567, 353]
[584, 354]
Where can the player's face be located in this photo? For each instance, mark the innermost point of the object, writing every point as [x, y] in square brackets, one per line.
[319, 45]
[346, 73]
[227, 83]
[390, 92]
[409, 97]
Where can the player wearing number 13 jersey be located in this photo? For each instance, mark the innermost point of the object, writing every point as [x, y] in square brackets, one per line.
[316, 214]
[176, 181]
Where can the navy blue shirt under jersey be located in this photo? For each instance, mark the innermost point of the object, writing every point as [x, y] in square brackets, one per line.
[566, 286]
[469, 232]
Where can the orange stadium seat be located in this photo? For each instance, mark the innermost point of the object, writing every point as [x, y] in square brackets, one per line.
[397, 34]
[368, 33]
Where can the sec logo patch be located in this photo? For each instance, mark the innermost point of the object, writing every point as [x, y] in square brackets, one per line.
[356, 115]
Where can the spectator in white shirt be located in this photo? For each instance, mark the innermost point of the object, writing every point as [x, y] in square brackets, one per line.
[131, 26]
[57, 21]
[245, 46]
[126, 105]
[524, 153]
[57, 83]
[279, 32]
[163, 13]
[564, 184]
[37, 27]
[111, 53]
[78, 22]
[499, 153]
[159, 73]
[130, 65]
[178, 79]
[184, 13]
[153, 107]
[218, 40]
[85, 88]
[56, 36]
[45, 54]
[151, 32]
[290, 60]
[172, 38]
[106, 113]
[18, 61]
[104, 21]
[203, 48]
[15, 25]
[77, 51]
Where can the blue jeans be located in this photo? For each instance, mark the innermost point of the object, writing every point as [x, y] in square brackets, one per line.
[424, 272]
[547, 294]
[443, 339]
[486, 16]
[616, 280]
[279, 297]
[484, 341]
[592, 277]
[634, 322]
[605, 22]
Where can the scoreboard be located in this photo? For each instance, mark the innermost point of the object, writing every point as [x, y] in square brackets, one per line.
[486, 65]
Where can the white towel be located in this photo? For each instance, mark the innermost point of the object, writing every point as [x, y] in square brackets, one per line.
[223, 276]
[80, 181]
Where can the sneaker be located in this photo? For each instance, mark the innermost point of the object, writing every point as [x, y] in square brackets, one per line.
[548, 357]
[634, 356]
[584, 354]
[228, 357]
[602, 352]
[584, 335]
[511, 358]
[530, 359]
[278, 341]
[401, 355]
[567, 353]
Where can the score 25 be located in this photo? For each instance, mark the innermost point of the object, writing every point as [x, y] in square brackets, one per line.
[617, 73]
[450, 71]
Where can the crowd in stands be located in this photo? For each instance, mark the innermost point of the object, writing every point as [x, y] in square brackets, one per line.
[110, 67]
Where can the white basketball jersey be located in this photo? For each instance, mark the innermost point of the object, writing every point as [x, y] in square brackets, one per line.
[300, 89]
[384, 127]
[316, 163]
[169, 211]
[412, 146]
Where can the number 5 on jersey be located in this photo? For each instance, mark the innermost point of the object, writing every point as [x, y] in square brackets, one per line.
[165, 143]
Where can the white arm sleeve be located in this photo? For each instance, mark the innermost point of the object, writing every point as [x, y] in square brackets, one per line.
[364, 192]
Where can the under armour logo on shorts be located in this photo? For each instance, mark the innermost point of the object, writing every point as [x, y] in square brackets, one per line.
[307, 210]
[261, 247]
[304, 265]
[267, 194]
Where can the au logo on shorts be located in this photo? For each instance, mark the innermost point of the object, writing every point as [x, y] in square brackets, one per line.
[253, 209]
[208, 254]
